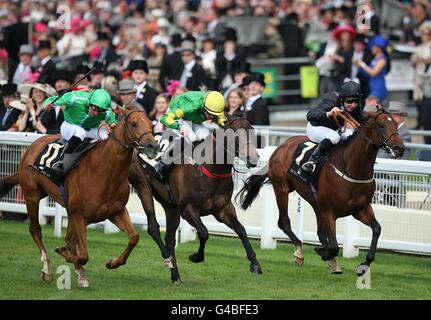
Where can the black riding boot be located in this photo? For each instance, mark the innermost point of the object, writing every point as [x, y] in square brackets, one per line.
[70, 147]
[318, 153]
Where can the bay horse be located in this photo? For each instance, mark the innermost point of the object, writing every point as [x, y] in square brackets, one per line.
[197, 194]
[96, 190]
[345, 185]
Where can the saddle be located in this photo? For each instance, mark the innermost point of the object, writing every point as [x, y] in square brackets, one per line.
[53, 152]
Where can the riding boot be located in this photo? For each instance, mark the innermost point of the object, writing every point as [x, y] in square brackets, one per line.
[70, 147]
[317, 154]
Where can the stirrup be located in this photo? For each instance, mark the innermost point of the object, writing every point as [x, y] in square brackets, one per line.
[309, 166]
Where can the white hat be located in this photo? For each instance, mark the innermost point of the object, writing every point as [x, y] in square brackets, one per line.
[26, 87]
[20, 104]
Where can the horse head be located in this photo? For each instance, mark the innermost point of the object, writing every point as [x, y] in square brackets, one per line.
[384, 133]
[136, 131]
[241, 140]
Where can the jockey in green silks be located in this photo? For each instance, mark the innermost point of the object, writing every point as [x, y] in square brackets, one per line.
[84, 114]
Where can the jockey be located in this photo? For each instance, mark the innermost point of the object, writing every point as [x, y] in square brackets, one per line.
[84, 114]
[323, 129]
[187, 112]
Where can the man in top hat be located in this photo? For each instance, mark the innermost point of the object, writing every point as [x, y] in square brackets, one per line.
[46, 68]
[172, 64]
[193, 76]
[62, 80]
[145, 95]
[256, 107]
[8, 114]
[127, 93]
[23, 69]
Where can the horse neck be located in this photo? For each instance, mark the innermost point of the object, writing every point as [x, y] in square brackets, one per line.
[357, 157]
[114, 155]
[214, 167]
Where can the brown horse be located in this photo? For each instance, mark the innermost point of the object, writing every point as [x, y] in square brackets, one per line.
[345, 185]
[96, 190]
[197, 195]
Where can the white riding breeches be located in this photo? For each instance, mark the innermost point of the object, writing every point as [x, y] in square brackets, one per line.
[198, 131]
[318, 134]
[68, 130]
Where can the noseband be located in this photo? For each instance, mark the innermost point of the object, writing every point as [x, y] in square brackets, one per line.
[135, 143]
[382, 141]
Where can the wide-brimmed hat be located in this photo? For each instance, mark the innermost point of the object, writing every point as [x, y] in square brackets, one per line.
[138, 65]
[26, 49]
[344, 28]
[49, 91]
[397, 107]
[126, 86]
[20, 104]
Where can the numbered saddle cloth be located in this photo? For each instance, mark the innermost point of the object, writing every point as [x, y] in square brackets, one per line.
[301, 155]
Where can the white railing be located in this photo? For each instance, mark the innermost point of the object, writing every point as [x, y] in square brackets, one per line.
[402, 205]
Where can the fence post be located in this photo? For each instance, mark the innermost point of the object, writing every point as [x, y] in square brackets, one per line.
[300, 218]
[57, 221]
[269, 218]
[351, 233]
[43, 205]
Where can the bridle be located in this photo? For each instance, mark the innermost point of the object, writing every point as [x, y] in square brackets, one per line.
[135, 143]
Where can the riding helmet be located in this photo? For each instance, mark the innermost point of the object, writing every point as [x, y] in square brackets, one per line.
[350, 89]
[214, 103]
[100, 98]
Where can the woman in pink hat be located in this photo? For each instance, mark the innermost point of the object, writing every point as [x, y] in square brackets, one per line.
[343, 55]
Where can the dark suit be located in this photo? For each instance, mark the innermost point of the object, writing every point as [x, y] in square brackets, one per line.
[171, 68]
[47, 72]
[14, 36]
[197, 79]
[11, 119]
[259, 114]
[146, 98]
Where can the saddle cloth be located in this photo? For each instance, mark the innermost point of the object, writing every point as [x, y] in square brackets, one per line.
[301, 155]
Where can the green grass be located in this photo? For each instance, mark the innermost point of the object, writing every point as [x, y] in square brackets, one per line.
[224, 274]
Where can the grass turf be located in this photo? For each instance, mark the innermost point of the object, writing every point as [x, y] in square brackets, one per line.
[223, 276]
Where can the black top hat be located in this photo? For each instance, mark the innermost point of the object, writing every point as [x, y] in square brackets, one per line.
[255, 76]
[114, 73]
[63, 75]
[103, 36]
[240, 66]
[230, 34]
[8, 89]
[44, 44]
[176, 40]
[82, 69]
[138, 65]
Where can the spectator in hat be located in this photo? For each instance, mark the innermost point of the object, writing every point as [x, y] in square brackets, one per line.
[227, 58]
[256, 107]
[97, 76]
[80, 71]
[193, 76]
[241, 69]
[145, 95]
[378, 68]
[8, 114]
[172, 64]
[361, 52]
[46, 68]
[342, 57]
[62, 80]
[127, 93]
[23, 69]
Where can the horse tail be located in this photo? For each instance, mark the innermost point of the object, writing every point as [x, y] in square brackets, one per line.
[251, 188]
[7, 183]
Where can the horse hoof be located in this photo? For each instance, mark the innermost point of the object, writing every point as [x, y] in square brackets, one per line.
[255, 269]
[176, 282]
[333, 266]
[361, 269]
[168, 263]
[298, 261]
[46, 277]
[112, 264]
[83, 283]
[194, 257]
[337, 271]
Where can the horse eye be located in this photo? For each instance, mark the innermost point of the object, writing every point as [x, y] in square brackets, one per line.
[134, 124]
[381, 125]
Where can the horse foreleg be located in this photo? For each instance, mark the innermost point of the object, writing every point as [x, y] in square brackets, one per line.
[327, 234]
[172, 223]
[153, 227]
[228, 216]
[192, 216]
[123, 222]
[368, 218]
[282, 196]
[77, 230]
[36, 233]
